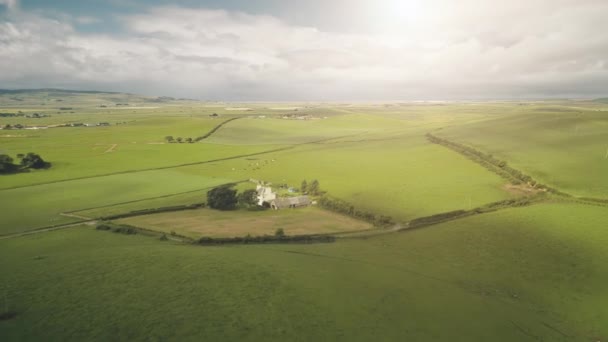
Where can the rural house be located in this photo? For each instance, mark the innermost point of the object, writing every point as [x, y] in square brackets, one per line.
[265, 194]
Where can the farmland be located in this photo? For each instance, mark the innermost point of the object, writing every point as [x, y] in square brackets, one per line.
[198, 223]
[529, 268]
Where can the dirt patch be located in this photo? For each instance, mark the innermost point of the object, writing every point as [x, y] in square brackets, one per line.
[111, 149]
[521, 189]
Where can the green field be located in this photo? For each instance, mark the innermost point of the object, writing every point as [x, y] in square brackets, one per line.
[513, 274]
[565, 147]
[507, 276]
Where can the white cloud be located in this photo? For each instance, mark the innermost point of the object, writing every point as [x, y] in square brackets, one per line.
[10, 4]
[474, 50]
[87, 20]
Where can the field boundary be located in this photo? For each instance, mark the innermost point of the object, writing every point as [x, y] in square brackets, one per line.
[156, 197]
[215, 129]
[501, 168]
[280, 149]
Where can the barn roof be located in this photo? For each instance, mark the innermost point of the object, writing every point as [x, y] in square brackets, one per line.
[286, 202]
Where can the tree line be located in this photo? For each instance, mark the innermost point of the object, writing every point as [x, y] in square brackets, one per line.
[491, 163]
[27, 162]
[346, 208]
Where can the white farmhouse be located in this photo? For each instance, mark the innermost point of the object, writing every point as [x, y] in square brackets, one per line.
[265, 194]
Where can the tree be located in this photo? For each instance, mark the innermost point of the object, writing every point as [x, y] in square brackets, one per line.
[34, 161]
[222, 198]
[248, 198]
[313, 189]
[279, 232]
[189, 140]
[304, 187]
[169, 139]
[179, 139]
[6, 164]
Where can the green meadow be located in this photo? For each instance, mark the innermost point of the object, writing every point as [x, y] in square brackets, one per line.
[517, 275]
[507, 274]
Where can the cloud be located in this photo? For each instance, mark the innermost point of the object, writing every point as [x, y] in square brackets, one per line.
[475, 50]
[87, 20]
[10, 4]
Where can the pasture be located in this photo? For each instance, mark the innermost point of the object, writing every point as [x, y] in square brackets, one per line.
[515, 274]
[506, 276]
[212, 223]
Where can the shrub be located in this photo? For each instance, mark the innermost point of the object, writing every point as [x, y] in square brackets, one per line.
[103, 227]
[222, 198]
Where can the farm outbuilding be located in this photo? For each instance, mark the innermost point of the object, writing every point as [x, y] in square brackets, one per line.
[290, 202]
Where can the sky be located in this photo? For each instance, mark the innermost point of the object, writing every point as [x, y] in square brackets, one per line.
[314, 50]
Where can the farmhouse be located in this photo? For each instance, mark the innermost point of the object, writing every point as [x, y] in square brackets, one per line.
[265, 194]
[290, 202]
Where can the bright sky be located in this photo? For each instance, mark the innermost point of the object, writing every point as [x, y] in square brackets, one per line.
[309, 50]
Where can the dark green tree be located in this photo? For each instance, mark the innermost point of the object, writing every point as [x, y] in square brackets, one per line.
[6, 164]
[179, 139]
[169, 139]
[34, 161]
[222, 198]
[304, 187]
[189, 140]
[313, 189]
[248, 198]
[279, 232]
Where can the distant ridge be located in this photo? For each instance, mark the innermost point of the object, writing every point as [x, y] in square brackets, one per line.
[55, 90]
[601, 100]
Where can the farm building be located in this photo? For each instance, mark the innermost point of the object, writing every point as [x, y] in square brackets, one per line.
[290, 202]
[265, 194]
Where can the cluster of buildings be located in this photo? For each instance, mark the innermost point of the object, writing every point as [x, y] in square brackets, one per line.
[267, 197]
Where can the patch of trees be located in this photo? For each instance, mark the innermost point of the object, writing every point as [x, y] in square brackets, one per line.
[65, 108]
[491, 163]
[346, 208]
[313, 188]
[277, 238]
[11, 115]
[120, 229]
[225, 198]
[222, 198]
[27, 162]
[179, 140]
[248, 199]
[17, 126]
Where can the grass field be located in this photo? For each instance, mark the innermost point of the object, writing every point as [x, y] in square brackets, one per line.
[521, 274]
[209, 223]
[517, 274]
[563, 147]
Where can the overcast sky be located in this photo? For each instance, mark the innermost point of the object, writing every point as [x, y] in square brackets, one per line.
[342, 50]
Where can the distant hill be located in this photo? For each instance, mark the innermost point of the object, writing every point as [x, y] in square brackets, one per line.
[52, 90]
[601, 100]
[48, 96]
